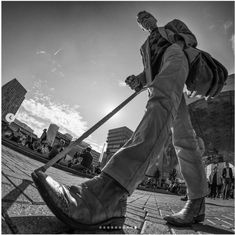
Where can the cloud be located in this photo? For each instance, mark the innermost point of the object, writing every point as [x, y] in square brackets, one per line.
[62, 115]
[40, 113]
[50, 62]
[38, 87]
[32, 122]
[227, 25]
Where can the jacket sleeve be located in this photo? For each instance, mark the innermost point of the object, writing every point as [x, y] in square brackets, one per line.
[142, 78]
[182, 32]
[231, 173]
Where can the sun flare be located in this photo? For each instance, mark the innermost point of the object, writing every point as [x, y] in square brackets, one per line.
[109, 108]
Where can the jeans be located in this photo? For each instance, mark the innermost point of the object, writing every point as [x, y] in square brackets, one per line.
[166, 111]
[226, 190]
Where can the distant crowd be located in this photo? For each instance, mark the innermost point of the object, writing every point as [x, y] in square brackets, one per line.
[220, 183]
[171, 183]
[81, 161]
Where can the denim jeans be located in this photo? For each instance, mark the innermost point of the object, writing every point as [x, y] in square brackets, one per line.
[164, 109]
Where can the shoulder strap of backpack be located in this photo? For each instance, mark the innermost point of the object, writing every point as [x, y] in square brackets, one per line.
[178, 29]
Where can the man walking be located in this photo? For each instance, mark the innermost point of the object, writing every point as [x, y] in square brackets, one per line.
[215, 181]
[101, 201]
[227, 175]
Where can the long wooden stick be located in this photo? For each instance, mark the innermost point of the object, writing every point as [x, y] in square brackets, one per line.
[87, 133]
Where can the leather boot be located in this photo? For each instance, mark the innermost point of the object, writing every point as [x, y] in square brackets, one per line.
[193, 212]
[99, 203]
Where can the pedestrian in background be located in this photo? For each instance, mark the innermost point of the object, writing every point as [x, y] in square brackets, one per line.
[86, 163]
[215, 180]
[227, 178]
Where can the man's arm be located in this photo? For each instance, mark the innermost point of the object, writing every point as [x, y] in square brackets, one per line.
[136, 82]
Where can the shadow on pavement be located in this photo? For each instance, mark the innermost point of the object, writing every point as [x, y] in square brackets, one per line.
[50, 225]
[210, 229]
[208, 203]
[38, 225]
[15, 193]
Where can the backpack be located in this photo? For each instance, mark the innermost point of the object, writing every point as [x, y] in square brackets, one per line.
[206, 76]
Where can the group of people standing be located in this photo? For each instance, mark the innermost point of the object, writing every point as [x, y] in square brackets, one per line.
[221, 184]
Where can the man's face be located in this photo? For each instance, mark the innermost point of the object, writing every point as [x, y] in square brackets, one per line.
[147, 21]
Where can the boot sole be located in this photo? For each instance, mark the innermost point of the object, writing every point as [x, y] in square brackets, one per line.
[197, 219]
[114, 223]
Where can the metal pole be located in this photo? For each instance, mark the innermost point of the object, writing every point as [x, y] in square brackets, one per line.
[87, 133]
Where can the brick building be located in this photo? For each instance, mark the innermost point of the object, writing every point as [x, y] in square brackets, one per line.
[13, 94]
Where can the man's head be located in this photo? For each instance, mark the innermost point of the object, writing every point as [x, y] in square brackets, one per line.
[226, 164]
[146, 21]
[88, 149]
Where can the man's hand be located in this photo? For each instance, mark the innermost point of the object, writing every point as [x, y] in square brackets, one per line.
[134, 82]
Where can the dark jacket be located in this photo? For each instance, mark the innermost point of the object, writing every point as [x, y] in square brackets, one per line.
[230, 173]
[174, 31]
[86, 159]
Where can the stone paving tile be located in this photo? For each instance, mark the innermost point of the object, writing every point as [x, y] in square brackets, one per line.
[130, 230]
[25, 212]
[5, 228]
[26, 188]
[227, 218]
[164, 213]
[156, 220]
[207, 228]
[153, 228]
[12, 194]
[137, 212]
[153, 215]
[29, 218]
[133, 223]
[185, 230]
[134, 216]
[219, 222]
[19, 209]
[10, 172]
[225, 222]
[135, 208]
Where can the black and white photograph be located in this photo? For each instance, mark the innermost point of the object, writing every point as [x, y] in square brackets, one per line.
[117, 117]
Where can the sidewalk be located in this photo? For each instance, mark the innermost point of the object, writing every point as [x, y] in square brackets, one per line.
[23, 210]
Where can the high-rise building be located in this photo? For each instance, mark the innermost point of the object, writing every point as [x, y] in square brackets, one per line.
[13, 94]
[116, 139]
[55, 137]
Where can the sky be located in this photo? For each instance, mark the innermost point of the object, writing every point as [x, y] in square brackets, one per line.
[73, 57]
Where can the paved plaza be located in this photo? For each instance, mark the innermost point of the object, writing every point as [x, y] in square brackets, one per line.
[23, 210]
